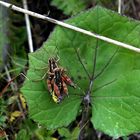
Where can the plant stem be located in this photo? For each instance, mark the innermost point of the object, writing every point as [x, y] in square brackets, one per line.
[119, 6]
[87, 97]
[86, 112]
[28, 27]
[12, 84]
[14, 89]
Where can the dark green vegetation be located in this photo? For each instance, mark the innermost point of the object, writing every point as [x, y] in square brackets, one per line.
[112, 106]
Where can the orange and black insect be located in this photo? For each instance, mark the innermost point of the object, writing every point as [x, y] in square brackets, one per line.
[57, 81]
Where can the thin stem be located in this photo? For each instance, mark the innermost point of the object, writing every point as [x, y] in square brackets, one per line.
[13, 87]
[119, 6]
[6, 136]
[12, 84]
[84, 125]
[109, 61]
[28, 27]
[24, 76]
[86, 101]
[77, 29]
[84, 120]
[81, 129]
[79, 58]
[5, 88]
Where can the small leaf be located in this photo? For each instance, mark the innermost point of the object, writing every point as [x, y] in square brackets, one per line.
[64, 132]
[75, 133]
[3, 119]
[23, 135]
[12, 99]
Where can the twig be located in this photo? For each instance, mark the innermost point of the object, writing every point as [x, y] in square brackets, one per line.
[79, 137]
[13, 87]
[6, 136]
[28, 27]
[109, 40]
[119, 6]
[5, 88]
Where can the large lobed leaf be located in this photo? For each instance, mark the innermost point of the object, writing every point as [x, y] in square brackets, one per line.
[115, 93]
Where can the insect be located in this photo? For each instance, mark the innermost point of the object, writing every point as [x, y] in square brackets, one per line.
[57, 81]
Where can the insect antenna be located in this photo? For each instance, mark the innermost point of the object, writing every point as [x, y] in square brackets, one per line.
[9, 82]
[44, 68]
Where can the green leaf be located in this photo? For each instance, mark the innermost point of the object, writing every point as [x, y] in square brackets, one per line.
[75, 133]
[120, 78]
[64, 132]
[70, 7]
[3, 120]
[22, 135]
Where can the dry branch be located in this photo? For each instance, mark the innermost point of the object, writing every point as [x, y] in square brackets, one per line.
[77, 29]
